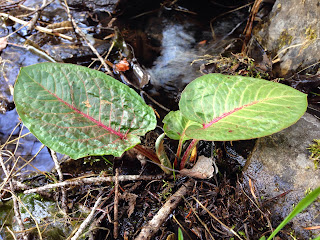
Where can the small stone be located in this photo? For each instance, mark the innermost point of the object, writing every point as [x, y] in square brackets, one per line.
[291, 34]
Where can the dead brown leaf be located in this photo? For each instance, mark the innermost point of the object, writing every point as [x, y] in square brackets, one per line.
[203, 169]
[3, 43]
[131, 199]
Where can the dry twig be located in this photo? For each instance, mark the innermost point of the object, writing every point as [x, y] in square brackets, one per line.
[79, 31]
[217, 219]
[155, 223]
[15, 202]
[37, 15]
[257, 206]
[247, 31]
[93, 180]
[86, 222]
[39, 28]
[60, 174]
[199, 219]
[115, 206]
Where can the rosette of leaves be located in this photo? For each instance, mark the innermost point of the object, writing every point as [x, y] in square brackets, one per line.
[218, 107]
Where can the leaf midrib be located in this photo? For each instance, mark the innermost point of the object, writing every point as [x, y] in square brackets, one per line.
[109, 129]
[224, 115]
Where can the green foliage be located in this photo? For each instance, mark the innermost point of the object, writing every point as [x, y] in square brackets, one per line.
[217, 107]
[78, 111]
[315, 152]
[175, 125]
[161, 153]
[180, 234]
[82, 112]
[303, 204]
[317, 238]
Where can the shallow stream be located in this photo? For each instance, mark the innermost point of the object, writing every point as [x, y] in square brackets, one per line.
[179, 39]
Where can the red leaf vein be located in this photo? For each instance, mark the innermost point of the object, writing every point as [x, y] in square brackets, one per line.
[217, 119]
[98, 123]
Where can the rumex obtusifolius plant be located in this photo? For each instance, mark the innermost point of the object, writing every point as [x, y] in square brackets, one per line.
[79, 112]
[217, 107]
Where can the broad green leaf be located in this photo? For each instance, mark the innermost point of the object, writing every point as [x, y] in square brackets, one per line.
[175, 125]
[79, 111]
[236, 107]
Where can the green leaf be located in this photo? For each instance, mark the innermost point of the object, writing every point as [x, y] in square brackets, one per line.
[303, 204]
[161, 153]
[235, 107]
[78, 111]
[175, 125]
[180, 234]
[317, 238]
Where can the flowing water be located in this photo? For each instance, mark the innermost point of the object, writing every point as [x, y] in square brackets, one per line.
[170, 72]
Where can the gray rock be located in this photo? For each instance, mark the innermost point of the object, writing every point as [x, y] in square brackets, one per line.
[281, 163]
[291, 34]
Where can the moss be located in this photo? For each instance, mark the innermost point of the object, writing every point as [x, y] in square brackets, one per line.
[315, 152]
[310, 34]
[284, 39]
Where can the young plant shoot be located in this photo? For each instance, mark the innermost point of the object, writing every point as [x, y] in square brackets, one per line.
[217, 107]
[80, 112]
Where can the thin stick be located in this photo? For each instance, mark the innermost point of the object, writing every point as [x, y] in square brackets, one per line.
[60, 174]
[162, 215]
[86, 222]
[155, 102]
[8, 176]
[12, 234]
[36, 16]
[39, 28]
[17, 213]
[225, 13]
[15, 202]
[57, 164]
[12, 141]
[95, 226]
[28, 211]
[115, 206]
[262, 213]
[33, 10]
[79, 31]
[247, 31]
[199, 219]
[7, 141]
[93, 180]
[28, 162]
[217, 219]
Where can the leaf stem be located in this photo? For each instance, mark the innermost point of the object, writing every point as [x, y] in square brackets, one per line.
[178, 153]
[187, 153]
[147, 153]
